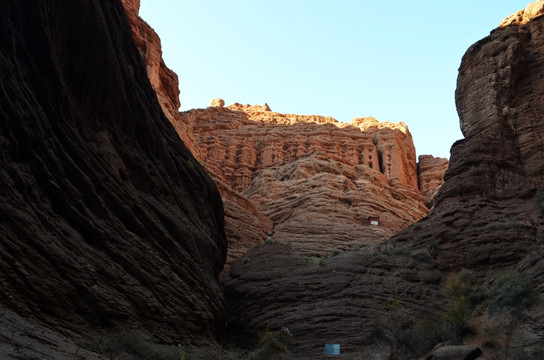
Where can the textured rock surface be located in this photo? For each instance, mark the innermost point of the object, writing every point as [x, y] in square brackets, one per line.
[25, 339]
[245, 225]
[486, 207]
[457, 352]
[487, 216]
[431, 176]
[220, 103]
[107, 220]
[523, 16]
[317, 179]
[163, 80]
[488, 213]
[342, 300]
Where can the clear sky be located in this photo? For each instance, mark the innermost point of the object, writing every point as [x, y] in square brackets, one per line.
[393, 60]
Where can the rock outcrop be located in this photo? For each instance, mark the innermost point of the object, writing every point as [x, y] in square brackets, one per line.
[107, 220]
[164, 81]
[486, 206]
[342, 299]
[431, 176]
[318, 180]
[487, 218]
[523, 16]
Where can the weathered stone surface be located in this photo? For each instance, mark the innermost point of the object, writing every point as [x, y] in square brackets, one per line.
[523, 16]
[487, 217]
[457, 352]
[317, 179]
[25, 339]
[220, 103]
[107, 220]
[342, 299]
[488, 213]
[321, 206]
[431, 176]
[245, 224]
[485, 214]
[164, 81]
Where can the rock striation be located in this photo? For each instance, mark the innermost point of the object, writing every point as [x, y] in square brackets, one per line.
[487, 218]
[107, 220]
[342, 299]
[523, 16]
[486, 206]
[318, 180]
[431, 176]
[164, 81]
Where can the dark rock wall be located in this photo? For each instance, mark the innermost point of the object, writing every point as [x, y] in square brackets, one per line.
[486, 214]
[106, 219]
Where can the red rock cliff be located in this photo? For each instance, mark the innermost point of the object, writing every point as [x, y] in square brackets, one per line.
[164, 81]
[317, 179]
[107, 220]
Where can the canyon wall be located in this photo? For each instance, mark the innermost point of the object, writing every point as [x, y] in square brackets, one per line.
[107, 220]
[487, 219]
[164, 81]
[318, 180]
[345, 173]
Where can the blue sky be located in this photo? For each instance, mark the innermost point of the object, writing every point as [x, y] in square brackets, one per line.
[393, 60]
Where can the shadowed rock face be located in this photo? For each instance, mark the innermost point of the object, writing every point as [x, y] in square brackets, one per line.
[339, 300]
[163, 80]
[486, 209]
[107, 220]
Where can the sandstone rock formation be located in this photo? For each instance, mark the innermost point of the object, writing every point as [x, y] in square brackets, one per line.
[318, 180]
[431, 176]
[486, 207]
[487, 218]
[220, 103]
[246, 225]
[523, 16]
[106, 219]
[338, 300]
[164, 81]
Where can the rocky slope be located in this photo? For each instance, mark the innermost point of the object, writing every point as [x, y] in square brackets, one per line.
[487, 218]
[107, 220]
[318, 180]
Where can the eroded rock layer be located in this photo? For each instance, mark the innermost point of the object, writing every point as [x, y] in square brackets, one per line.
[487, 218]
[431, 176]
[318, 180]
[344, 299]
[164, 81]
[106, 219]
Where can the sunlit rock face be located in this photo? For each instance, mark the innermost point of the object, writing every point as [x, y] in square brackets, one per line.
[523, 16]
[487, 218]
[318, 180]
[107, 221]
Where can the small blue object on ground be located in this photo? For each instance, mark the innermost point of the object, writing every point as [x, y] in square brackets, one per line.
[332, 349]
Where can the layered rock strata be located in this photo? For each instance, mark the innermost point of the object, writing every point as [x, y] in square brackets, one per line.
[318, 180]
[164, 81]
[431, 176]
[107, 220]
[487, 218]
